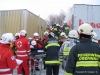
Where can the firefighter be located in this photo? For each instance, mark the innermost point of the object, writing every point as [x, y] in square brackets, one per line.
[51, 48]
[65, 28]
[84, 57]
[7, 59]
[73, 37]
[63, 38]
[23, 52]
[56, 30]
[64, 49]
[94, 37]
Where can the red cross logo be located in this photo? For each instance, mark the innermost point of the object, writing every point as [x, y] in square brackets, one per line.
[19, 44]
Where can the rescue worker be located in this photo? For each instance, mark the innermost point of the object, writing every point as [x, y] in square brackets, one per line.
[84, 57]
[43, 40]
[65, 28]
[56, 30]
[64, 49]
[12, 47]
[73, 37]
[51, 47]
[38, 46]
[63, 38]
[45, 37]
[71, 41]
[94, 37]
[23, 52]
[17, 35]
[7, 59]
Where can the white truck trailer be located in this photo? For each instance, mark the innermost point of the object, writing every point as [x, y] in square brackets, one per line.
[82, 13]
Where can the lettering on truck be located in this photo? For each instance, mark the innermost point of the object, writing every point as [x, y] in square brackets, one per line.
[94, 25]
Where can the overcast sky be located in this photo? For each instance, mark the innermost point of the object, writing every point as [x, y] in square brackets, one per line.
[43, 7]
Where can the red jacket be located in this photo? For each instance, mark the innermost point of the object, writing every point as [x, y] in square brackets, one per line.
[38, 45]
[7, 60]
[23, 48]
[44, 39]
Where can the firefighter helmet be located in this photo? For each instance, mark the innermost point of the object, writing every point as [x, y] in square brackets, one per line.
[57, 24]
[7, 38]
[63, 35]
[94, 35]
[73, 34]
[46, 33]
[52, 34]
[85, 29]
[23, 32]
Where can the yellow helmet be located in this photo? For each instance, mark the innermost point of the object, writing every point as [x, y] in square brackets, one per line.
[63, 35]
[46, 33]
[85, 29]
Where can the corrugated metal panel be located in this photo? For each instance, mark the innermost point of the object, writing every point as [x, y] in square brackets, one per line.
[15, 20]
[32, 24]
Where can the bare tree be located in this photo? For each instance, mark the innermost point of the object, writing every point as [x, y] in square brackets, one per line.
[56, 18]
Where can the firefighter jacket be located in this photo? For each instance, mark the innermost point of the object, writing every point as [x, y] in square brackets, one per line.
[84, 59]
[66, 29]
[95, 40]
[23, 48]
[7, 60]
[66, 46]
[56, 31]
[51, 47]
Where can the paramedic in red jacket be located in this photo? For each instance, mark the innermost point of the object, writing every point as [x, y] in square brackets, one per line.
[7, 59]
[38, 46]
[23, 52]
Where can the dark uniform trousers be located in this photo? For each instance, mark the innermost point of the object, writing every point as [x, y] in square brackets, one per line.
[52, 69]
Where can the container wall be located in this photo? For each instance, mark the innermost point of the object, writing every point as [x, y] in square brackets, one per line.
[10, 21]
[2, 24]
[34, 24]
[31, 23]
[15, 20]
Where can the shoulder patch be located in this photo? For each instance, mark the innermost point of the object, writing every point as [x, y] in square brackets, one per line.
[13, 58]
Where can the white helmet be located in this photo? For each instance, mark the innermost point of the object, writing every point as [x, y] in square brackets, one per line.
[23, 32]
[94, 35]
[17, 34]
[73, 34]
[64, 22]
[29, 38]
[52, 34]
[35, 34]
[57, 24]
[85, 29]
[46, 33]
[63, 35]
[7, 38]
[33, 42]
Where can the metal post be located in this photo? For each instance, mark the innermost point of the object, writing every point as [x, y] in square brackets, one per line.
[38, 23]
